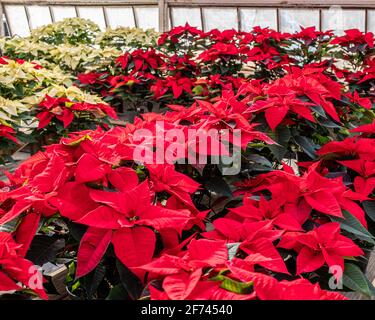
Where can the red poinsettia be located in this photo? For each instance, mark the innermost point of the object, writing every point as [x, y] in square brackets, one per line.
[182, 273]
[164, 177]
[65, 110]
[255, 237]
[221, 50]
[252, 210]
[17, 273]
[8, 133]
[355, 37]
[122, 216]
[368, 129]
[268, 288]
[311, 191]
[322, 245]
[362, 101]
[92, 77]
[363, 148]
[277, 108]
[365, 182]
[175, 33]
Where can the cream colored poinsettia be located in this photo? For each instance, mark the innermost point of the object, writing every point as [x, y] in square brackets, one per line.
[69, 30]
[23, 46]
[125, 38]
[76, 45]
[29, 76]
[83, 56]
[72, 93]
[11, 110]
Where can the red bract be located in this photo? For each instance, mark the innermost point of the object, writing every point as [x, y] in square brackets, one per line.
[268, 288]
[219, 50]
[182, 273]
[362, 148]
[119, 216]
[65, 110]
[310, 191]
[15, 269]
[365, 183]
[252, 210]
[364, 102]
[323, 245]
[177, 85]
[91, 78]
[166, 178]
[177, 32]
[142, 60]
[8, 133]
[355, 37]
[255, 238]
[312, 83]
[278, 107]
[368, 129]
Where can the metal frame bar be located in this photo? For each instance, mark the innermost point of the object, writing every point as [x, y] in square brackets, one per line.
[136, 23]
[216, 3]
[106, 21]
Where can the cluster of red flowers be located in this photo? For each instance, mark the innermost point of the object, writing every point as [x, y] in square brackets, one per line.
[8, 133]
[185, 231]
[14, 268]
[83, 179]
[189, 63]
[174, 70]
[65, 110]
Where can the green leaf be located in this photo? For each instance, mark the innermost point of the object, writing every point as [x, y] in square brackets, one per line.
[369, 207]
[197, 90]
[19, 90]
[354, 279]
[44, 249]
[118, 292]
[91, 281]
[129, 281]
[353, 226]
[329, 124]
[282, 136]
[233, 285]
[236, 286]
[307, 145]
[319, 110]
[259, 159]
[218, 185]
[76, 230]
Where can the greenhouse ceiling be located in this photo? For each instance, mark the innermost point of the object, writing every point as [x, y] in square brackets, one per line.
[21, 16]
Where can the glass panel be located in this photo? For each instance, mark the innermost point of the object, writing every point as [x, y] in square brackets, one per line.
[371, 20]
[60, 13]
[94, 14]
[258, 17]
[17, 20]
[340, 20]
[292, 19]
[220, 18]
[192, 16]
[120, 17]
[147, 17]
[39, 16]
